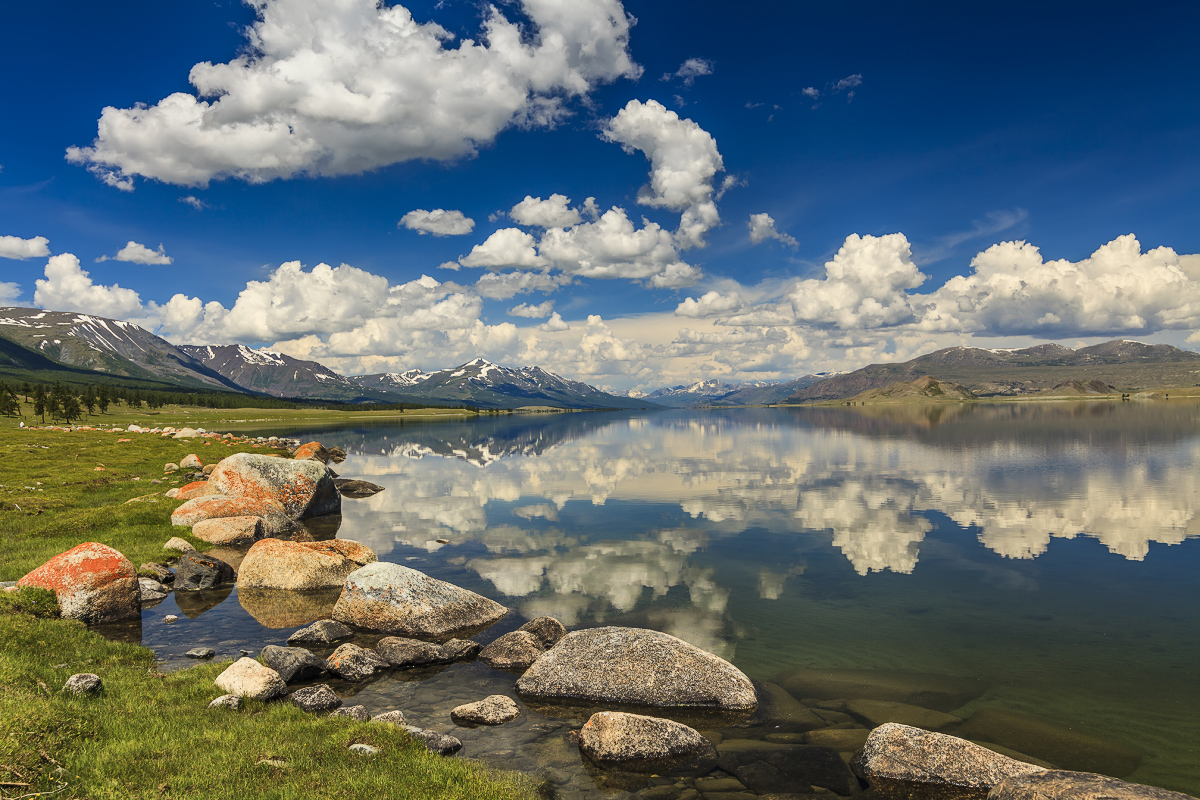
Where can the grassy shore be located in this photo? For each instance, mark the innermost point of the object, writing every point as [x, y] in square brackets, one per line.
[150, 734]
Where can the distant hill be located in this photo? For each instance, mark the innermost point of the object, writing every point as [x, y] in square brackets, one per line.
[993, 373]
[1078, 389]
[925, 389]
[691, 395]
[770, 394]
[280, 375]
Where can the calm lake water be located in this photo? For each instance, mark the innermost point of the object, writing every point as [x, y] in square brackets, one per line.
[1048, 550]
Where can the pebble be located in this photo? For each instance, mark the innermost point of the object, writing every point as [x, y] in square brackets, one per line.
[230, 701]
[364, 749]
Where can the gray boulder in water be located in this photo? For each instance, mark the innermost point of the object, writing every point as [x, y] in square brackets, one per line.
[1063, 785]
[194, 571]
[389, 597]
[635, 743]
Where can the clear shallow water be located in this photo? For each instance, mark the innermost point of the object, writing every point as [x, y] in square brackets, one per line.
[1048, 550]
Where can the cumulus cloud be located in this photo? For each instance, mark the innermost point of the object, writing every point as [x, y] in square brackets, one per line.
[611, 247]
[68, 287]
[136, 253]
[503, 285]
[507, 247]
[554, 324]
[336, 87]
[710, 304]
[690, 70]
[9, 292]
[554, 212]
[762, 228]
[540, 311]
[683, 162]
[20, 249]
[439, 222]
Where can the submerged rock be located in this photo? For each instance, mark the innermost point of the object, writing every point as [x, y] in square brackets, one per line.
[1063, 785]
[879, 712]
[277, 564]
[515, 651]
[939, 692]
[637, 667]
[635, 743]
[907, 763]
[303, 488]
[779, 710]
[494, 710]
[325, 631]
[93, 583]
[1065, 747]
[767, 768]
[395, 599]
[248, 678]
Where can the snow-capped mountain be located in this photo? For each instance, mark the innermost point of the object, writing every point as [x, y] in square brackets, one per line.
[690, 395]
[278, 374]
[387, 381]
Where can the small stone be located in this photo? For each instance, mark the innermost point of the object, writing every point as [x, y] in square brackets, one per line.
[230, 701]
[356, 713]
[169, 618]
[170, 468]
[404, 653]
[356, 489]
[273, 762]
[178, 545]
[200, 652]
[354, 663]
[248, 678]
[548, 630]
[325, 631]
[83, 683]
[435, 742]
[494, 710]
[460, 649]
[293, 663]
[315, 698]
[364, 749]
[390, 718]
[514, 651]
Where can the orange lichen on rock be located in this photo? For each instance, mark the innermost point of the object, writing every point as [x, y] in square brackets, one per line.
[192, 490]
[93, 582]
[313, 451]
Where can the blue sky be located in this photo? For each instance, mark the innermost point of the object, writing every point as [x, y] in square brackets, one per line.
[937, 137]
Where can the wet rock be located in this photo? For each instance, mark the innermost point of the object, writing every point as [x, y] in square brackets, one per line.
[356, 489]
[637, 667]
[435, 742]
[1064, 785]
[354, 663]
[879, 712]
[396, 599]
[390, 718]
[363, 749]
[494, 710]
[337, 455]
[151, 592]
[230, 531]
[313, 451]
[151, 585]
[315, 699]
[404, 653]
[293, 663]
[779, 710]
[939, 692]
[230, 701]
[277, 564]
[513, 651]
[356, 713]
[303, 488]
[93, 583]
[460, 650]
[636, 743]
[276, 522]
[161, 572]
[764, 767]
[83, 683]
[200, 652]
[248, 678]
[1068, 748]
[908, 763]
[548, 630]
[194, 571]
[178, 545]
[844, 740]
[325, 631]
[283, 608]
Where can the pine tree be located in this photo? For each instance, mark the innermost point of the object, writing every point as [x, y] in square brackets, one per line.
[40, 401]
[89, 399]
[102, 399]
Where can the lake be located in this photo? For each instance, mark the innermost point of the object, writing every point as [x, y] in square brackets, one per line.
[1046, 551]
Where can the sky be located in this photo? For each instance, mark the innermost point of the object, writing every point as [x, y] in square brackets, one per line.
[635, 194]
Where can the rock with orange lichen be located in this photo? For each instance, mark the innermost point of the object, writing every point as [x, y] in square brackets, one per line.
[275, 520]
[229, 531]
[303, 488]
[313, 451]
[276, 564]
[93, 582]
[190, 491]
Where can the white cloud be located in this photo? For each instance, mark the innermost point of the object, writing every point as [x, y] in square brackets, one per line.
[9, 292]
[503, 285]
[762, 228]
[540, 311]
[68, 287]
[136, 253]
[20, 249]
[194, 202]
[336, 87]
[439, 222]
[611, 247]
[507, 247]
[810, 92]
[554, 212]
[710, 304]
[683, 162]
[690, 70]
[554, 324]
[849, 82]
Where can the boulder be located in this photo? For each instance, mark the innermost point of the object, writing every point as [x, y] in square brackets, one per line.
[1068, 748]
[390, 718]
[396, 599]
[356, 489]
[356, 713]
[315, 698]
[435, 742]
[634, 743]
[275, 521]
[313, 451]
[83, 683]
[303, 488]
[548, 630]
[178, 545]
[187, 433]
[354, 663]
[513, 651]
[93, 583]
[195, 571]
[230, 531]
[230, 555]
[190, 491]
[151, 591]
[278, 564]
[907, 763]
[767, 768]
[460, 650]
[638, 667]
[191, 461]
[292, 663]
[939, 692]
[494, 710]
[248, 678]
[167, 468]
[403, 653]
[337, 455]
[325, 631]
[284, 608]
[1064, 785]
[161, 573]
[208, 468]
[879, 712]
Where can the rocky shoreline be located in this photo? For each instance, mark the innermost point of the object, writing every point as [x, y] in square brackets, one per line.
[808, 732]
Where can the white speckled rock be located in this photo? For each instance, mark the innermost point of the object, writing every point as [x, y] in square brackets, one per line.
[494, 710]
[248, 678]
[389, 597]
[642, 744]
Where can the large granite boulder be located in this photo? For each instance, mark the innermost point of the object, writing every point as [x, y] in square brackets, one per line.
[303, 488]
[93, 583]
[229, 531]
[190, 491]
[248, 678]
[514, 651]
[636, 667]
[293, 663]
[194, 571]
[908, 763]
[278, 564]
[1063, 746]
[939, 692]
[389, 597]
[276, 522]
[1063, 785]
[634, 743]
